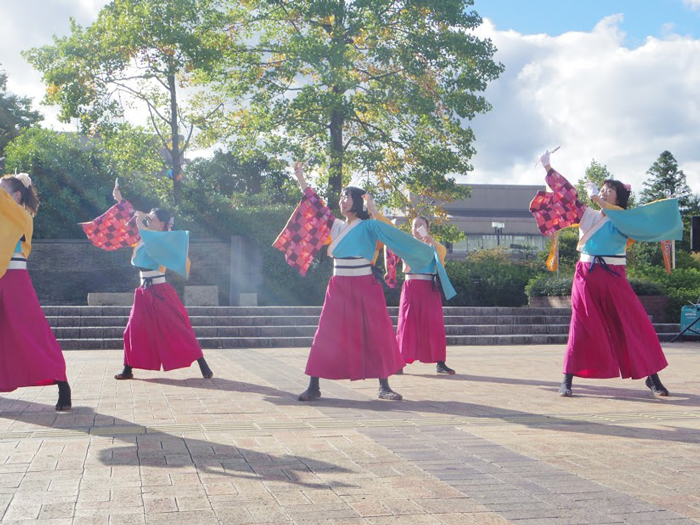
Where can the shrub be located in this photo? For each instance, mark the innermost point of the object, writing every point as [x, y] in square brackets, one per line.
[553, 286]
[489, 281]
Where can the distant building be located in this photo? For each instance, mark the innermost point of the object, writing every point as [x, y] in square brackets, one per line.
[491, 205]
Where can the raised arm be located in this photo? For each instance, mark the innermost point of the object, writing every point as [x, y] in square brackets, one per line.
[299, 173]
[562, 187]
[116, 193]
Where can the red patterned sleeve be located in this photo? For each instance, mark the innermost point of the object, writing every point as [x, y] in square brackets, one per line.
[558, 209]
[306, 232]
[114, 229]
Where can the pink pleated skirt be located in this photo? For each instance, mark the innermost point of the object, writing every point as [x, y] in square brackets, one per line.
[610, 333]
[421, 329]
[159, 334]
[29, 352]
[355, 337]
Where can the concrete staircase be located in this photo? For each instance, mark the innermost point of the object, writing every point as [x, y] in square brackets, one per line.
[101, 327]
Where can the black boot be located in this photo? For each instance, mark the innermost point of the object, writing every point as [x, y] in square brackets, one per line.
[399, 373]
[654, 384]
[312, 392]
[385, 391]
[126, 373]
[442, 368]
[64, 397]
[565, 388]
[204, 367]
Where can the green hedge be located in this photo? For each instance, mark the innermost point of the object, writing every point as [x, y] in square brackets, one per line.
[553, 286]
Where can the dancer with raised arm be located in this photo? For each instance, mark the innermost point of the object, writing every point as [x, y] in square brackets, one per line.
[29, 352]
[355, 338]
[421, 328]
[610, 333]
[159, 333]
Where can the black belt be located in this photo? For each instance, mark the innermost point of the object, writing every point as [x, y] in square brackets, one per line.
[600, 259]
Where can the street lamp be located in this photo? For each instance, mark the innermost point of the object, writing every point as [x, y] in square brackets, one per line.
[498, 227]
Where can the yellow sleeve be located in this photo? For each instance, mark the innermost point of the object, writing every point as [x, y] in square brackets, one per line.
[15, 222]
[442, 252]
[380, 245]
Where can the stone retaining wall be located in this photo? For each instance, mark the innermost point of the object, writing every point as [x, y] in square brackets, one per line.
[65, 271]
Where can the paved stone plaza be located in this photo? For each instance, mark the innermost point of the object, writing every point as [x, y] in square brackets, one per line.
[491, 445]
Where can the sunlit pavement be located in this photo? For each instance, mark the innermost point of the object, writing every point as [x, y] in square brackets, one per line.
[493, 444]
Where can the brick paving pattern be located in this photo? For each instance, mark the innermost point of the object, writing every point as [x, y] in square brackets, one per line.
[491, 445]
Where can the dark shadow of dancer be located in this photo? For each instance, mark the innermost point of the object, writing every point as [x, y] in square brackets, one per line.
[370, 406]
[641, 394]
[163, 450]
[220, 383]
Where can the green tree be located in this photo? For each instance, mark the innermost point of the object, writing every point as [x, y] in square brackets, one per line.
[16, 114]
[666, 180]
[241, 177]
[137, 52]
[73, 178]
[378, 89]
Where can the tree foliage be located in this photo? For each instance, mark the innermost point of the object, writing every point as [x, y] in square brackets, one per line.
[666, 180]
[138, 53]
[16, 114]
[377, 89]
[74, 180]
[244, 178]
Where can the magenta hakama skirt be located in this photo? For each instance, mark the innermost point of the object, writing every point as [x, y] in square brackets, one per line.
[159, 333]
[421, 328]
[355, 337]
[29, 352]
[610, 333]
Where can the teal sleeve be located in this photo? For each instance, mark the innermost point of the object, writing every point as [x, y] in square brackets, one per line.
[656, 221]
[167, 249]
[416, 254]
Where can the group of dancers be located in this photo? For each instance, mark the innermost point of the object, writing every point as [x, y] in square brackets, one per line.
[610, 333]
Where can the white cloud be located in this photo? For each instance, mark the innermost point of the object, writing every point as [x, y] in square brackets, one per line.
[595, 97]
[31, 23]
[693, 4]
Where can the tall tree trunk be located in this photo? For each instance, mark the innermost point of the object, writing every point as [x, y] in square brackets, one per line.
[174, 139]
[335, 180]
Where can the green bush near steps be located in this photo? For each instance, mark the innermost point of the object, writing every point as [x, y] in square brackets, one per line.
[553, 286]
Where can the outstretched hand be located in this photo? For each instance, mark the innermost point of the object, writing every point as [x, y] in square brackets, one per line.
[299, 173]
[116, 193]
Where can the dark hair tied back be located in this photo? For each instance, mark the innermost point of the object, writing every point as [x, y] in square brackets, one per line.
[358, 203]
[29, 198]
[165, 216]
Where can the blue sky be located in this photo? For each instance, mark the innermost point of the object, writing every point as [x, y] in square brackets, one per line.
[642, 18]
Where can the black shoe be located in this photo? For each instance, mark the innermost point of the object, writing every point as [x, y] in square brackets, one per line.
[399, 373]
[442, 368]
[126, 373]
[654, 384]
[389, 394]
[64, 396]
[309, 395]
[204, 367]
[565, 388]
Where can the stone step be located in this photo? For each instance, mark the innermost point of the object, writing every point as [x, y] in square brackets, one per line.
[203, 332]
[305, 342]
[222, 321]
[267, 311]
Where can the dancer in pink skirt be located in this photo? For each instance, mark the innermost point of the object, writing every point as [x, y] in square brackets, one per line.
[355, 337]
[421, 328]
[610, 333]
[158, 333]
[29, 352]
